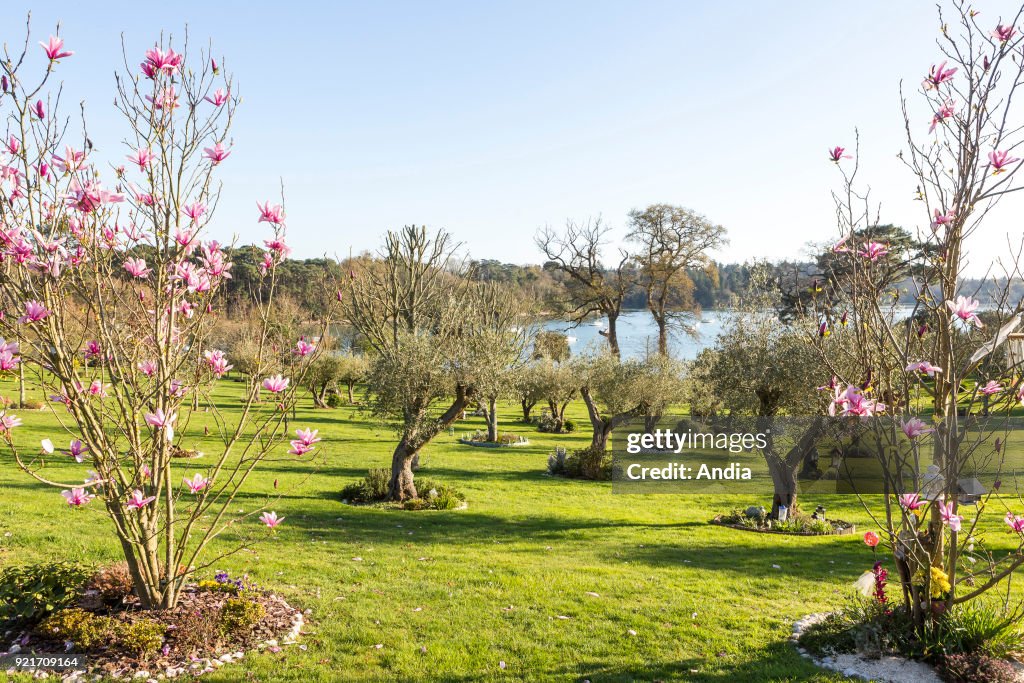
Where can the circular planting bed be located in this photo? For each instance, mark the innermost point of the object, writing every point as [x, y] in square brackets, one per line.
[798, 526]
[214, 624]
[494, 444]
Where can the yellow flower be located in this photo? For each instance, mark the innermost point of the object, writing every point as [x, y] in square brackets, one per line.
[940, 583]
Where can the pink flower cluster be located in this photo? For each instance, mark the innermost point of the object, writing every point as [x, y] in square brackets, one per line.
[304, 443]
[852, 402]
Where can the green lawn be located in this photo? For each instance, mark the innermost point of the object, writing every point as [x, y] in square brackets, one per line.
[449, 595]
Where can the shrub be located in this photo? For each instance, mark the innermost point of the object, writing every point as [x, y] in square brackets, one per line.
[82, 628]
[370, 489]
[238, 616]
[31, 404]
[976, 668]
[585, 463]
[194, 631]
[108, 587]
[549, 423]
[435, 496]
[29, 593]
[569, 426]
[142, 637]
[976, 627]
[333, 399]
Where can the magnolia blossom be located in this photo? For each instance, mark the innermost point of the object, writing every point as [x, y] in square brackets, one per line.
[911, 501]
[92, 350]
[218, 362]
[159, 420]
[1004, 33]
[304, 443]
[219, 97]
[71, 161]
[923, 367]
[991, 387]
[137, 268]
[948, 517]
[8, 358]
[147, 368]
[77, 450]
[852, 402]
[874, 251]
[940, 219]
[839, 248]
[914, 428]
[98, 388]
[46, 446]
[157, 62]
[54, 49]
[1000, 160]
[39, 110]
[8, 422]
[77, 497]
[137, 501]
[271, 519]
[837, 153]
[271, 213]
[1016, 522]
[964, 308]
[303, 348]
[142, 157]
[194, 211]
[945, 111]
[197, 484]
[938, 75]
[34, 312]
[217, 153]
[275, 384]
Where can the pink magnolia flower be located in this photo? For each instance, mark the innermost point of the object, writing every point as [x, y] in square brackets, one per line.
[54, 49]
[217, 153]
[142, 157]
[71, 161]
[948, 517]
[137, 268]
[159, 420]
[1004, 33]
[271, 213]
[137, 501]
[34, 312]
[13, 145]
[92, 349]
[839, 248]
[837, 153]
[271, 519]
[1020, 394]
[197, 484]
[218, 362]
[214, 66]
[303, 348]
[218, 99]
[991, 387]
[914, 428]
[177, 389]
[159, 61]
[98, 388]
[275, 384]
[938, 75]
[911, 501]
[1016, 522]
[964, 308]
[945, 111]
[8, 422]
[147, 368]
[164, 99]
[278, 246]
[194, 211]
[77, 497]
[940, 219]
[923, 367]
[874, 251]
[1000, 160]
[77, 450]
[39, 110]
[852, 402]
[308, 436]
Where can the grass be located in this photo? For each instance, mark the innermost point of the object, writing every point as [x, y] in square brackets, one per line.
[451, 594]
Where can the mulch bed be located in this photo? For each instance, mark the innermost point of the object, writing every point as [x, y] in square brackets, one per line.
[280, 626]
[839, 528]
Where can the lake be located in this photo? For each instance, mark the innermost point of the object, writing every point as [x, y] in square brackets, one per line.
[638, 334]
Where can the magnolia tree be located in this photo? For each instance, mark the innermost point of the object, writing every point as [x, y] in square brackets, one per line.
[108, 291]
[931, 371]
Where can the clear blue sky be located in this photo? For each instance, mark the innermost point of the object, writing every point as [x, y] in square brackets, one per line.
[492, 120]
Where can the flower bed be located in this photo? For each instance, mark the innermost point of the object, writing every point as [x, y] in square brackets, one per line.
[797, 525]
[505, 440]
[214, 623]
